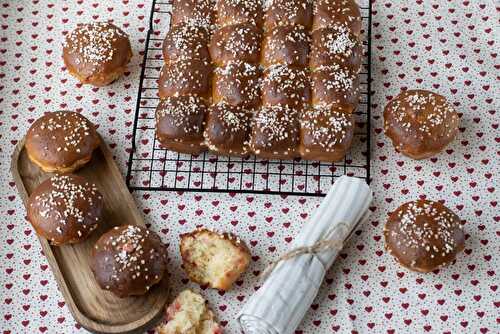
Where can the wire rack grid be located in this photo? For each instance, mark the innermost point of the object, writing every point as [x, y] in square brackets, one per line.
[153, 168]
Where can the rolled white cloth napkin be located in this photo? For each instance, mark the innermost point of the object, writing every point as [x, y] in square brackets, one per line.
[281, 302]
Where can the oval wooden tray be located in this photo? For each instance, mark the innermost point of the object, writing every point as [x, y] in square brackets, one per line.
[95, 309]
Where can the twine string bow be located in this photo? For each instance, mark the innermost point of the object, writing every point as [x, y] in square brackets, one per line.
[329, 243]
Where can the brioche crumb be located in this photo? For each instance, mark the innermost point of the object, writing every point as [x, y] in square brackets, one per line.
[213, 259]
[189, 314]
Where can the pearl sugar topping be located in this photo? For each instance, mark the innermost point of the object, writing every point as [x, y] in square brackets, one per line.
[326, 127]
[66, 129]
[434, 224]
[425, 112]
[93, 42]
[63, 199]
[130, 253]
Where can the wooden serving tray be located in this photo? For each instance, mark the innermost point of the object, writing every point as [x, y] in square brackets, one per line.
[95, 309]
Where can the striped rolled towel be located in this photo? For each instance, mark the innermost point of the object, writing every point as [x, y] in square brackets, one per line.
[281, 302]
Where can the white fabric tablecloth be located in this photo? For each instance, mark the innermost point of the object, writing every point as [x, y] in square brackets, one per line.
[446, 46]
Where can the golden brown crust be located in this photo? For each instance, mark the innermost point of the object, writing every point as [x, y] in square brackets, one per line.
[65, 209]
[241, 254]
[292, 81]
[326, 133]
[420, 123]
[228, 130]
[61, 141]
[193, 12]
[275, 132]
[61, 170]
[185, 82]
[180, 122]
[288, 12]
[185, 77]
[424, 235]
[285, 45]
[235, 50]
[345, 12]
[285, 85]
[128, 260]
[236, 42]
[185, 41]
[231, 12]
[237, 84]
[335, 85]
[336, 45]
[97, 53]
[327, 129]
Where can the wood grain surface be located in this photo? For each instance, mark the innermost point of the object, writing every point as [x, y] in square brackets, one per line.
[95, 309]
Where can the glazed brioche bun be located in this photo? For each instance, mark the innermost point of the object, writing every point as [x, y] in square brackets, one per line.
[420, 123]
[97, 53]
[424, 235]
[65, 209]
[61, 141]
[128, 260]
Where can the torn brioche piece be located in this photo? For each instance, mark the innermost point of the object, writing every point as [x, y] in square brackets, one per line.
[213, 259]
[189, 314]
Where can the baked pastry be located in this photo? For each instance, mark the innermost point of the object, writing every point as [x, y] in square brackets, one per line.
[228, 129]
[231, 12]
[335, 85]
[128, 260]
[97, 53]
[235, 50]
[180, 122]
[61, 141]
[65, 209]
[275, 132]
[345, 12]
[424, 235]
[235, 42]
[285, 88]
[283, 84]
[327, 129]
[285, 45]
[325, 133]
[186, 42]
[193, 12]
[185, 77]
[288, 13]
[420, 123]
[213, 259]
[189, 314]
[237, 84]
[336, 44]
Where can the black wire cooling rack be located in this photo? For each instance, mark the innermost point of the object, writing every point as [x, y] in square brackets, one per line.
[154, 168]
